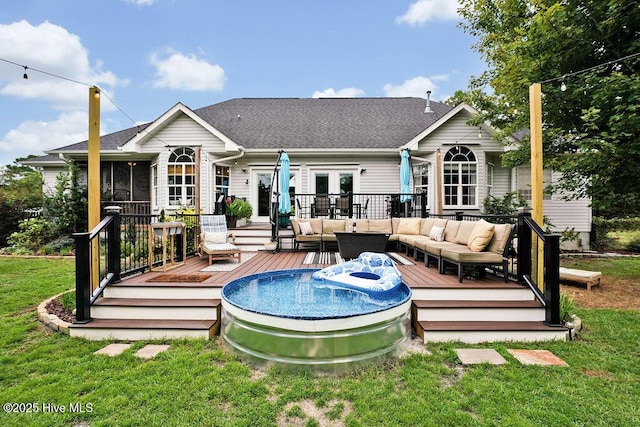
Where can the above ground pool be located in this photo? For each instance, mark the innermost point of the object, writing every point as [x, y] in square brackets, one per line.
[288, 318]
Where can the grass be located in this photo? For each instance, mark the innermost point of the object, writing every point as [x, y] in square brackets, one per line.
[199, 383]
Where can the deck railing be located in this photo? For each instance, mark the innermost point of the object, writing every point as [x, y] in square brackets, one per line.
[547, 287]
[97, 262]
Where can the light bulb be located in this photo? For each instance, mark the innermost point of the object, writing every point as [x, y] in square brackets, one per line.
[563, 87]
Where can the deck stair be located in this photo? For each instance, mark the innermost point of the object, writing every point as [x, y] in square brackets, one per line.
[252, 238]
[474, 313]
[153, 311]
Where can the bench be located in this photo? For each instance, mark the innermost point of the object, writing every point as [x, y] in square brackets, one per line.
[589, 278]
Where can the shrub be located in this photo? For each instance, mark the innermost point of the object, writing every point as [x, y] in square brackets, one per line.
[567, 307]
[34, 233]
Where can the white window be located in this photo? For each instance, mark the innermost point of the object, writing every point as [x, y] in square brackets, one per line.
[489, 169]
[460, 178]
[181, 177]
[421, 178]
[154, 184]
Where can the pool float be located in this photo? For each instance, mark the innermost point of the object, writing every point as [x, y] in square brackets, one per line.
[373, 273]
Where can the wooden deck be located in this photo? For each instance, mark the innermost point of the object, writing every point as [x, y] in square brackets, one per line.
[415, 276]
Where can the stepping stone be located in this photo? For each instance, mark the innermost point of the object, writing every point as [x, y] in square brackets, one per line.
[473, 356]
[537, 357]
[113, 349]
[151, 350]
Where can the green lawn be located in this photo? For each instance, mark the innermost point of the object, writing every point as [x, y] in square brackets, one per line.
[198, 383]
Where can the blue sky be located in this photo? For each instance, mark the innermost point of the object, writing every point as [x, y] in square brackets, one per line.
[150, 54]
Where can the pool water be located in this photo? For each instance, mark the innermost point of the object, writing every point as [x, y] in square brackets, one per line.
[284, 318]
[294, 294]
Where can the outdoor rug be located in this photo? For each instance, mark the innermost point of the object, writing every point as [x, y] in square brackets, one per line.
[230, 264]
[399, 258]
[328, 258]
[180, 278]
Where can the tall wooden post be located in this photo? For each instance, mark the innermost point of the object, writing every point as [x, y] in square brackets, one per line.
[93, 178]
[537, 190]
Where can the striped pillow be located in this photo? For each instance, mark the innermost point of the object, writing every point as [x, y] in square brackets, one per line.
[305, 229]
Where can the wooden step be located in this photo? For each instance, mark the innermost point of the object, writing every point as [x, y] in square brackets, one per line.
[479, 310]
[471, 292]
[159, 290]
[155, 309]
[487, 331]
[145, 329]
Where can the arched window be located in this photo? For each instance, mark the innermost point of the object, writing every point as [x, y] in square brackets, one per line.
[181, 175]
[460, 178]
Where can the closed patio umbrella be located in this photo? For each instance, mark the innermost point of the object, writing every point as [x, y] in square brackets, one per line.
[284, 201]
[405, 177]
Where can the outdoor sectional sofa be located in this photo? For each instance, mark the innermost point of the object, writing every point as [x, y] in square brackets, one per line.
[444, 242]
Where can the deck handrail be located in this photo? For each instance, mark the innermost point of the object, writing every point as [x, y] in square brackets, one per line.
[108, 272]
[549, 293]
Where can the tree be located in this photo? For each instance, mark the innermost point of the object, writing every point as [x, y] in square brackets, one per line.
[20, 191]
[67, 208]
[591, 128]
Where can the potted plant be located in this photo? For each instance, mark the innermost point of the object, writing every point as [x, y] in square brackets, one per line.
[237, 209]
[271, 245]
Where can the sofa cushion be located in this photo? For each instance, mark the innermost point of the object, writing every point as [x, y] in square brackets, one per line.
[380, 225]
[362, 225]
[434, 247]
[437, 234]
[464, 232]
[463, 254]
[501, 233]
[331, 225]
[409, 226]
[451, 230]
[480, 236]
[427, 223]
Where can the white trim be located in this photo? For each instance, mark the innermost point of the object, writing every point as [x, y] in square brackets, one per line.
[133, 145]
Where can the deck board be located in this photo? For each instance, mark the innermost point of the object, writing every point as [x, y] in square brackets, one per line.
[416, 276]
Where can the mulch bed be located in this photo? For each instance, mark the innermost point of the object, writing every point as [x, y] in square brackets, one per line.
[55, 307]
[164, 278]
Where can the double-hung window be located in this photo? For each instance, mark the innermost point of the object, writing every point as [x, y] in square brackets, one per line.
[181, 177]
[460, 178]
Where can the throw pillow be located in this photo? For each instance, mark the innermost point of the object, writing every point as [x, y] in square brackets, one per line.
[480, 236]
[305, 229]
[437, 233]
[215, 237]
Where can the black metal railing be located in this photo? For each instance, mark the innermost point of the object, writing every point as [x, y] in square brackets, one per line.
[97, 263]
[359, 205]
[547, 287]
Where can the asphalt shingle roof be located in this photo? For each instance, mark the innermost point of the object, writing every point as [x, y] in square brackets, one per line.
[275, 123]
[321, 122]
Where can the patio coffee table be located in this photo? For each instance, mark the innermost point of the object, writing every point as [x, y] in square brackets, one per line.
[351, 245]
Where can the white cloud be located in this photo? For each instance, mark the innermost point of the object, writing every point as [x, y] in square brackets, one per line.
[347, 92]
[187, 72]
[54, 50]
[415, 87]
[35, 137]
[426, 10]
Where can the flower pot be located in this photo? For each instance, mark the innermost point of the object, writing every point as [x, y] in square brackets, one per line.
[232, 221]
[271, 246]
[283, 221]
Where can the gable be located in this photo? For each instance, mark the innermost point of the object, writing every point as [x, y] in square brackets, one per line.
[179, 126]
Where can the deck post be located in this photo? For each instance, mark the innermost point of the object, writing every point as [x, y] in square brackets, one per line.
[524, 248]
[114, 242]
[552, 279]
[423, 204]
[83, 277]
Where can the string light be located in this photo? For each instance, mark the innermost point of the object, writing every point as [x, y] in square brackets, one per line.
[563, 86]
[99, 93]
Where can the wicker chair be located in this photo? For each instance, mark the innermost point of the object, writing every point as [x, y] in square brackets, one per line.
[215, 240]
